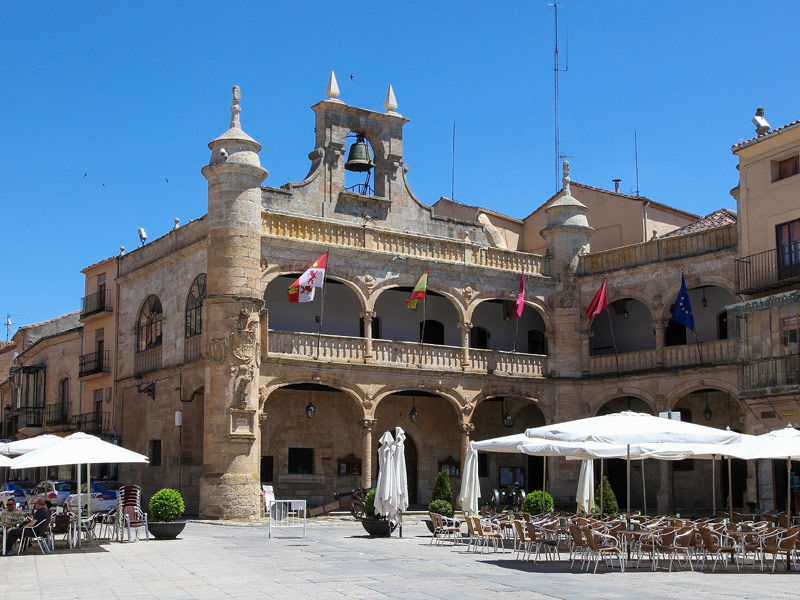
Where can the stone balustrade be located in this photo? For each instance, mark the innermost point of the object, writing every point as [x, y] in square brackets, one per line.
[338, 349]
[335, 233]
[622, 362]
[717, 352]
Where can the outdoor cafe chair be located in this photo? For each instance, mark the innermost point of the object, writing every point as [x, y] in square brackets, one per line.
[524, 542]
[601, 545]
[780, 542]
[61, 524]
[488, 535]
[682, 544]
[713, 546]
[29, 533]
[445, 527]
[578, 544]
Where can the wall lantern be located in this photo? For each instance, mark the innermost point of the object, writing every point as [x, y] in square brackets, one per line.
[149, 389]
[508, 420]
[413, 414]
[707, 410]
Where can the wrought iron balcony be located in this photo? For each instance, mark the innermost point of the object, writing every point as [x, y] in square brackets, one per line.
[769, 269]
[769, 377]
[97, 423]
[57, 414]
[96, 303]
[29, 416]
[96, 362]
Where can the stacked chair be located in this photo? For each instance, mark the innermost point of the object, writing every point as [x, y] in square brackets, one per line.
[129, 512]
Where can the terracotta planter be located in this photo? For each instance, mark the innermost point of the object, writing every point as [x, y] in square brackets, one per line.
[376, 528]
[165, 530]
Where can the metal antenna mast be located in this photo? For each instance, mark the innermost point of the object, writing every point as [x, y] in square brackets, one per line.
[556, 70]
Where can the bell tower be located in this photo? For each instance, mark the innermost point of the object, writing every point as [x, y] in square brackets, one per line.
[231, 439]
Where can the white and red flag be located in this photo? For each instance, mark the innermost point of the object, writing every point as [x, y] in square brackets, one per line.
[302, 290]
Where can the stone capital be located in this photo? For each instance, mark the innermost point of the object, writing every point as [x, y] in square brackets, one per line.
[368, 424]
[465, 427]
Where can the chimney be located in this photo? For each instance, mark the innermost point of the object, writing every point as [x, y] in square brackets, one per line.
[616, 185]
[762, 126]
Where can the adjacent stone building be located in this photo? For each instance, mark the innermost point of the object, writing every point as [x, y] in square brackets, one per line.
[226, 385]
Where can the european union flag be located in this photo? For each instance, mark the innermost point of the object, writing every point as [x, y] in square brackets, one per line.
[682, 311]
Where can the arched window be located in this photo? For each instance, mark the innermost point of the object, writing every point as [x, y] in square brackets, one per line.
[431, 332]
[63, 391]
[194, 306]
[148, 325]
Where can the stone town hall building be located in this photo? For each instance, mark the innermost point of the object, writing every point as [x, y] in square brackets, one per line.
[297, 395]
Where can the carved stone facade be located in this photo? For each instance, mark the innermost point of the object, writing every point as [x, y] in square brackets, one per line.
[280, 392]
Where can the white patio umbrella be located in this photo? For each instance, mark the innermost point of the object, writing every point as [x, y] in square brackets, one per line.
[385, 484]
[5, 461]
[470, 483]
[632, 428]
[18, 447]
[78, 449]
[585, 495]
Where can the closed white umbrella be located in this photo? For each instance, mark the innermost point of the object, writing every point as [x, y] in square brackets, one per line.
[470, 483]
[400, 488]
[585, 495]
[385, 483]
[78, 449]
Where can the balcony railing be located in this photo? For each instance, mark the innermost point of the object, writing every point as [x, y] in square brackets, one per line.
[718, 352]
[668, 248]
[771, 376]
[772, 268]
[96, 303]
[623, 362]
[147, 360]
[98, 423]
[56, 414]
[193, 347]
[29, 416]
[96, 362]
[403, 354]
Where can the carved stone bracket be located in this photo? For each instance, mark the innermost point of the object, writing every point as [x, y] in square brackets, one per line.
[465, 427]
[467, 408]
[368, 424]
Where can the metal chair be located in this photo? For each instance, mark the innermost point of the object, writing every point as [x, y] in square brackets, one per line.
[29, 532]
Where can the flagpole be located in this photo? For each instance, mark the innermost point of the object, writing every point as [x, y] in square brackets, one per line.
[422, 329]
[516, 334]
[613, 339]
[322, 303]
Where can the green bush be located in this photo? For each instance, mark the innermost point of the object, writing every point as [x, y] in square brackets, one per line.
[441, 489]
[537, 502]
[610, 506]
[166, 505]
[441, 507]
[369, 505]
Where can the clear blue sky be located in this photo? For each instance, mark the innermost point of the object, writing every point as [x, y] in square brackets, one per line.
[130, 93]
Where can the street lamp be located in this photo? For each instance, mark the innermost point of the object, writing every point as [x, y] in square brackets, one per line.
[149, 388]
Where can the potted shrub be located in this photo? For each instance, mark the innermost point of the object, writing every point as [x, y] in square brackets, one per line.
[537, 502]
[374, 525]
[442, 498]
[610, 506]
[166, 506]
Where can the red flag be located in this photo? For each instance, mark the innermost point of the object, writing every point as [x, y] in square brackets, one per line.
[520, 299]
[599, 302]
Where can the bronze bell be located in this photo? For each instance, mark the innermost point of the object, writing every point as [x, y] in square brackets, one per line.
[359, 159]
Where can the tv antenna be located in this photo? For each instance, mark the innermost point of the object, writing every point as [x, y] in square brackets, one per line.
[10, 324]
[556, 70]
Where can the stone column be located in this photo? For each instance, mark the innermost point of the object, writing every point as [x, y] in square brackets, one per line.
[465, 328]
[660, 328]
[367, 317]
[665, 502]
[367, 427]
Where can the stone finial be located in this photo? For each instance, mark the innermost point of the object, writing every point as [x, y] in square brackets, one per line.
[565, 179]
[390, 104]
[235, 108]
[332, 91]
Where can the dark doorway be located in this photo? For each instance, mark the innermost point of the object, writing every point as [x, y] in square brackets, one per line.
[739, 474]
[411, 469]
[675, 335]
[431, 332]
[479, 338]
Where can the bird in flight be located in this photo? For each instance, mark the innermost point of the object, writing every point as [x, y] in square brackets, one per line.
[85, 174]
[103, 184]
[165, 179]
[351, 78]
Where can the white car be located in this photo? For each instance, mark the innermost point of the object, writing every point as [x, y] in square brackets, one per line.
[55, 491]
[104, 497]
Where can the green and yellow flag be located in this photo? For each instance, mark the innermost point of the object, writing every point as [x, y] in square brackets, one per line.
[419, 291]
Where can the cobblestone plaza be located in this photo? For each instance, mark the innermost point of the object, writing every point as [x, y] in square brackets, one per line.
[337, 560]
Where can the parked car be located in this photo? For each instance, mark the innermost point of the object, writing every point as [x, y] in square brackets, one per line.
[55, 491]
[104, 497]
[15, 490]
